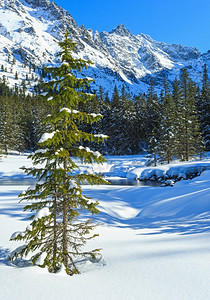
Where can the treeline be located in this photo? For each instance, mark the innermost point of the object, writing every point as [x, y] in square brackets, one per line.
[21, 118]
[175, 123]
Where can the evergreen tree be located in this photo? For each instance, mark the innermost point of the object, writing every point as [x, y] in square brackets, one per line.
[113, 119]
[101, 97]
[204, 109]
[140, 121]
[56, 231]
[119, 124]
[190, 139]
[8, 124]
[166, 149]
[18, 135]
[153, 122]
[116, 98]
[130, 137]
[107, 100]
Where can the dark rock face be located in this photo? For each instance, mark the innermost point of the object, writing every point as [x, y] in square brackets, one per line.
[121, 30]
[38, 3]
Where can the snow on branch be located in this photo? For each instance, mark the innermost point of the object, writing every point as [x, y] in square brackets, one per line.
[41, 151]
[87, 149]
[97, 154]
[44, 212]
[100, 135]
[74, 111]
[46, 136]
[16, 234]
[95, 115]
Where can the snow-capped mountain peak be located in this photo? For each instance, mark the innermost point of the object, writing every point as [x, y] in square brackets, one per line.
[29, 35]
[121, 30]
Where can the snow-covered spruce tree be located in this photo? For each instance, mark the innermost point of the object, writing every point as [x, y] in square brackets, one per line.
[166, 149]
[141, 118]
[153, 123]
[204, 108]
[178, 124]
[56, 233]
[120, 124]
[190, 138]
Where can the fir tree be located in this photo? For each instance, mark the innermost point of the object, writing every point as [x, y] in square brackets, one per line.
[119, 122]
[56, 232]
[190, 139]
[166, 149]
[140, 121]
[204, 108]
[8, 124]
[153, 122]
[115, 98]
[107, 100]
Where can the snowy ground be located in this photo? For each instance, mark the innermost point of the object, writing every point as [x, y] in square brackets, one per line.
[155, 240]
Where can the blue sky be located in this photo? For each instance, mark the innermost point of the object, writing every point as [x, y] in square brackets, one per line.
[184, 22]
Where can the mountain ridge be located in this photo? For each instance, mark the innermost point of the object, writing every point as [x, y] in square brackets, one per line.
[31, 29]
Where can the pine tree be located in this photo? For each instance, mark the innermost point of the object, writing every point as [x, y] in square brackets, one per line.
[12, 135]
[57, 233]
[120, 122]
[166, 149]
[115, 98]
[129, 132]
[204, 108]
[190, 139]
[153, 122]
[101, 97]
[140, 121]
[176, 95]
[113, 120]
[8, 124]
[107, 100]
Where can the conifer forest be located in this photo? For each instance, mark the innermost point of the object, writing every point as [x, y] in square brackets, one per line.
[173, 123]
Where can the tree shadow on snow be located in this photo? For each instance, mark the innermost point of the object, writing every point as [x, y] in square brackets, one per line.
[16, 179]
[15, 212]
[4, 253]
[184, 226]
[4, 260]
[14, 208]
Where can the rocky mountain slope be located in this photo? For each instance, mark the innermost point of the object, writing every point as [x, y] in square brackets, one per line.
[30, 30]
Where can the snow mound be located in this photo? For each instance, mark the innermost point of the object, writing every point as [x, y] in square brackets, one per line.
[176, 171]
[118, 209]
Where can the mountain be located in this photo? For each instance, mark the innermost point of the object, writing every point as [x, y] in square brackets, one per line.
[30, 30]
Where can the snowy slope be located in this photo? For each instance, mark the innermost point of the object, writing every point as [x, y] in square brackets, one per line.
[155, 242]
[30, 30]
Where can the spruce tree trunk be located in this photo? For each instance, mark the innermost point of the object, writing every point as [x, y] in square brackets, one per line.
[185, 150]
[54, 228]
[155, 159]
[168, 151]
[186, 141]
[65, 215]
[65, 234]
[168, 159]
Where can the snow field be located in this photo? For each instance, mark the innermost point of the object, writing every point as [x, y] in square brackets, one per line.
[155, 240]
